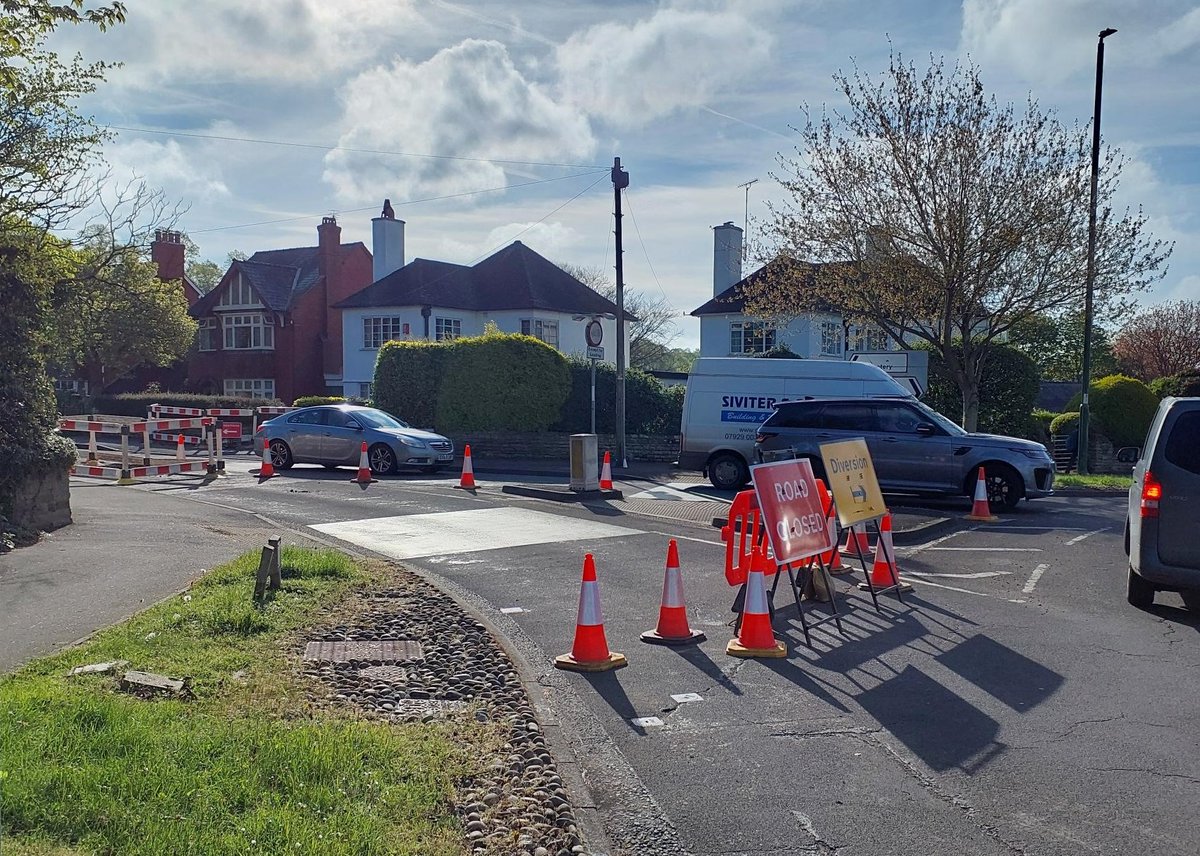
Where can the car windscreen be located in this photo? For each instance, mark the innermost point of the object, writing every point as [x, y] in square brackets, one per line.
[377, 419]
[941, 421]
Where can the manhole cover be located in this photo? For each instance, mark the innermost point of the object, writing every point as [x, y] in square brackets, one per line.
[373, 651]
[394, 674]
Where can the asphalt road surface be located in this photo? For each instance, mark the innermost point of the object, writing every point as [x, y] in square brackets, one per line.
[1013, 704]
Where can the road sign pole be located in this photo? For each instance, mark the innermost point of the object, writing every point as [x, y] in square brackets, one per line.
[593, 396]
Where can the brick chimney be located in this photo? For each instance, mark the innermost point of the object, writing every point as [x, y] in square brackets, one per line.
[167, 253]
[329, 260]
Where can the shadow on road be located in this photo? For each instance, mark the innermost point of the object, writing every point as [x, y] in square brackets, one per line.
[608, 686]
[695, 655]
[1001, 672]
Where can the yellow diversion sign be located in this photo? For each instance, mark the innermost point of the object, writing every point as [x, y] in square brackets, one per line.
[852, 481]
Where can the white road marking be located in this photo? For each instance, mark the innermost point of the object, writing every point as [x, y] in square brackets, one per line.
[976, 576]
[1034, 577]
[1039, 528]
[929, 545]
[988, 549]
[677, 492]
[682, 698]
[926, 582]
[511, 610]
[1079, 538]
[644, 721]
[698, 540]
[416, 535]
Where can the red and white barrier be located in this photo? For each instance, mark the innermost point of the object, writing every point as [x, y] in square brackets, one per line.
[157, 410]
[241, 412]
[267, 410]
[188, 439]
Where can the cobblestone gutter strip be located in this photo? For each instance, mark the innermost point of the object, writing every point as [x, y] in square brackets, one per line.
[519, 805]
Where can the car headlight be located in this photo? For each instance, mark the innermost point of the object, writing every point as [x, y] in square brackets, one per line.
[1034, 454]
[412, 442]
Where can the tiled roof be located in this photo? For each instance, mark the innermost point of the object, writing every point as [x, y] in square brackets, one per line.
[278, 276]
[732, 300]
[516, 277]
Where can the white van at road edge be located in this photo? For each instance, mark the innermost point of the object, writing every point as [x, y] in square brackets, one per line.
[728, 398]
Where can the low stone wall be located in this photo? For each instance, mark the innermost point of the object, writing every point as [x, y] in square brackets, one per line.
[543, 444]
[43, 501]
[1102, 456]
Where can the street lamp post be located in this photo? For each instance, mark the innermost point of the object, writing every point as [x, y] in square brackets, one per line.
[1086, 380]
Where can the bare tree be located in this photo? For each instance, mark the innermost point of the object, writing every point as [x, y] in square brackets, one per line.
[1161, 341]
[950, 218]
[653, 331]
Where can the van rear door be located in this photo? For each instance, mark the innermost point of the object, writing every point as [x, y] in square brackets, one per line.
[1178, 470]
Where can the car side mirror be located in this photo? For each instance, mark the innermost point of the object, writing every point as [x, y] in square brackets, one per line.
[1128, 455]
[925, 429]
[353, 425]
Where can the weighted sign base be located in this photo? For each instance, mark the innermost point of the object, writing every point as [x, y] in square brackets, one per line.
[737, 649]
[902, 586]
[653, 638]
[614, 661]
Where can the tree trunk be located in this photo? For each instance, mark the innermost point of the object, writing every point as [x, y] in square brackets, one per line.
[970, 397]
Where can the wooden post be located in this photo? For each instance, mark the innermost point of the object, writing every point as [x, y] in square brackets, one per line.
[276, 558]
[265, 564]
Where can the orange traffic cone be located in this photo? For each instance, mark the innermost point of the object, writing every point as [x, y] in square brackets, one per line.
[267, 470]
[980, 510]
[606, 473]
[467, 480]
[179, 447]
[756, 638]
[364, 468]
[857, 542]
[833, 557]
[884, 573]
[672, 626]
[590, 652]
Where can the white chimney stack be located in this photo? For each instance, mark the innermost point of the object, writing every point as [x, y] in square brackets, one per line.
[387, 245]
[727, 256]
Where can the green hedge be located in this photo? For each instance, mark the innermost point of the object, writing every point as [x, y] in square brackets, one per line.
[138, 403]
[1122, 408]
[1007, 393]
[650, 408]
[494, 382]
[315, 400]
[1065, 423]
[1184, 385]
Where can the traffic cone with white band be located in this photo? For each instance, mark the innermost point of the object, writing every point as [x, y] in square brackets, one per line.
[857, 542]
[981, 512]
[756, 638]
[884, 573]
[364, 467]
[833, 557]
[267, 470]
[672, 626]
[467, 480]
[606, 473]
[590, 651]
[179, 447]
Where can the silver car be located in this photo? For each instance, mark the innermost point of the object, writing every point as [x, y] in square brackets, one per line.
[914, 448]
[333, 435]
[1164, 506]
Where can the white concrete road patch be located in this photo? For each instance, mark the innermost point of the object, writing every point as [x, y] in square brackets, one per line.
[676, 492]
[412, 536]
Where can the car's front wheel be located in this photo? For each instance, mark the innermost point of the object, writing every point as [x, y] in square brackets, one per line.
[382, 459]
[728, 471]
[281, 455]
[1138, 591]
[1004, 486]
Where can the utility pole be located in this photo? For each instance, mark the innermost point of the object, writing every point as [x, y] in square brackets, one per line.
[620, 180]
[746, 218]
[1082, 445]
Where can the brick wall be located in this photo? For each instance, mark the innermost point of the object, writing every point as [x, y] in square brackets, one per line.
[512, 444]
[43, 501]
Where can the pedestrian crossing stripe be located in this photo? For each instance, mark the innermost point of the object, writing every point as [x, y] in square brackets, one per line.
[413, 536]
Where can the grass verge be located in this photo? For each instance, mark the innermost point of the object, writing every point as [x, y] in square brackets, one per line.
[249, 765]
[1115, 483]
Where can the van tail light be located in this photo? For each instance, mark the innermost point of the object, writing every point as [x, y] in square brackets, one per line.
[763, 436]
[1151, 494]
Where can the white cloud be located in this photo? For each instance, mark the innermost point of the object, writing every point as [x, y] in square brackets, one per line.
[167, 165]
[629, 74]
[468, 101]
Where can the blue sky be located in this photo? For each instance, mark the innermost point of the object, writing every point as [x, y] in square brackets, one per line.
[695, 96]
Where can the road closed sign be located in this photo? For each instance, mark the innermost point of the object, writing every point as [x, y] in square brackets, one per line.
[852, 481]
[791, 509]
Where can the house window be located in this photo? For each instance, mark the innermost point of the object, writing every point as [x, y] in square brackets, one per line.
[445, 329]
[207, 334]
[547, 331]
[249, 332]
[364, 390]
[380, 329]
[868, 337]
[831, 338]
[239, 293]
[257, 387]
[751, 337]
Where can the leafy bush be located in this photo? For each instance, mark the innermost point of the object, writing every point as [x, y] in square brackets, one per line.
[138, 403]
[650, 408]
[1064, 423]
[1183, 385]
[1006, 395]
[1039, 426]
[1122, 408]
[315, 400]
[494, 382]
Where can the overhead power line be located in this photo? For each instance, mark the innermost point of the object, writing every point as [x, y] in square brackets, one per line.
[328, 148]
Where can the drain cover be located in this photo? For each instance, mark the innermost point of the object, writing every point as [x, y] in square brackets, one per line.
[392, 674]
[373, 651]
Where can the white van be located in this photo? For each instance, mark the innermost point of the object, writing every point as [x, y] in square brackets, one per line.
[729, 397]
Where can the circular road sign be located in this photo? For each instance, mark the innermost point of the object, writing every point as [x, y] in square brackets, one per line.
[594, 333]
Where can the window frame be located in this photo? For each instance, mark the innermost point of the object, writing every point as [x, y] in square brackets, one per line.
[208, 328]
[440, 325]
[538, 328]
[261, 322]
[259, 387]
[832, 332]
[764, 333]
[379, 329]
[246, 296]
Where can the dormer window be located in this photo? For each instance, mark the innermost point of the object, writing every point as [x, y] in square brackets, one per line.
[239, 294]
